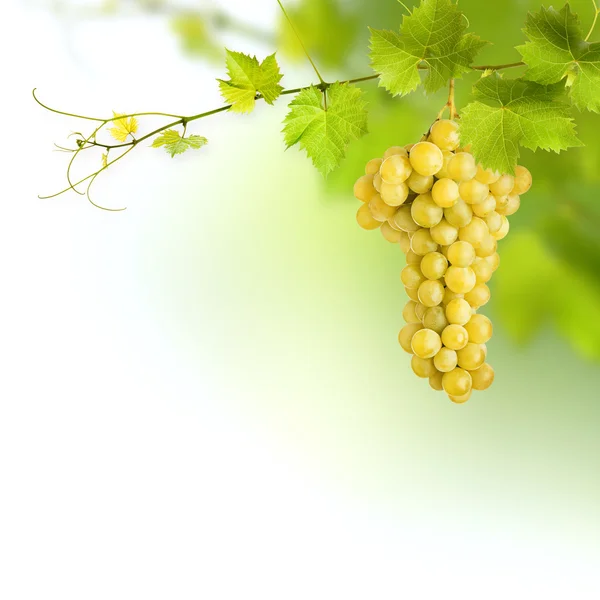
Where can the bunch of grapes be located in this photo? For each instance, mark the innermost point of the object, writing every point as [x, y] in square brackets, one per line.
[447, 214]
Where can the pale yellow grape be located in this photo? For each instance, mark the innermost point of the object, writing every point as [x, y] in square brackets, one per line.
[513, 205]
[435, 318]
[462, 167]
[461, 254]
[364, 189]
[523, 181]
[403, 219]
[487, 247]
[449, 295]
[412, 293]
[422, 243]
[494, 221]
[413, 259]
[473, 191]
[486, 207]
[422, 367]
[445, 360]
[373, 166]
[457, 382]
[406, 334]
[445, 192]
[420, 184]
[426, 158]
[395, 150]
[479, 296]
[504, 229]
[480, 329]
[460, 280]
[408, 147]
[408, 312]
[412, 277]
[425, 212]
[482, 377]
[365, 219]
[443, 233]
[404, 240]
[420, 310]
[426, 343]
[460, 399]
[434, 265]
[395, 169]
[471, 357]
[394, 194]
[458, 311]
[435, 381]
[380, 210]
[455, 337]
[391, 235]
[482, 269]
[431, 293]
[444, 134]
[486, 176]
[377, 181]
[460, 214]
[493, 261]
[501, 204]
[443, 172]
[503, 186]
[474, 232]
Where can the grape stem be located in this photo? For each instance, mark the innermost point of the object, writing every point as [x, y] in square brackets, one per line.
[596, 13]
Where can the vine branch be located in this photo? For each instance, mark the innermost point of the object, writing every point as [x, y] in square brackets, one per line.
[596, 13]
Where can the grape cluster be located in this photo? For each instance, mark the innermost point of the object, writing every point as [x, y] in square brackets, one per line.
[447, 214]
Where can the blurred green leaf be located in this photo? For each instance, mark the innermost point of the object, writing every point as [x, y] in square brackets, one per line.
[195, 36]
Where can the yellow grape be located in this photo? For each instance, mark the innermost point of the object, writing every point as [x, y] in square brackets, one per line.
[443, 172]
[373, 166]
[395, 150]
[380, 210]
[445, 192]
[409, 313]
[426, 343]
[482, 269]
[445, 360]
[377, 181]
[523, 181]
[391, 235]
[365, 219]
[474, 232]
[455, 337]
[486, 207]
[461, 254]
[435, 381]
[473, 191]
[462, 167]
[431, 293]
[494, 221]
[460, 399]
[512, 206]
[425, 212]
[426, 158]
[443, 233]
[503, 231]
[444, 134]
[460, 214]
[458, 311]
[435, 318]
[422, 243]
[493, 261]
[406, 334]
[449, 295]
[480, 329]
[404, 240]
[503, 186]
[457, 382]
[422, 367]
[479, 296]
[487, 246]
[501, 204]
[413, 259]
[412, 277]
[403, 219]
[420, 310]
[460, 279]
[434, 265]
[394, 194]
[364, 189]
[471, 357]
[412, 293]
[482, 377]
[395, 169]
[420, 184]
[486, 176]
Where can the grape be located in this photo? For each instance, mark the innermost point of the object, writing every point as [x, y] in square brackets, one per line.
[365, 218]
[445, 192]
[443, 172]
[425, 212]
[413, 259]
[501, 204]
[449, 295]
[460, 214]
[394, 194]
[503, 186]
[461, 254]
[412, 293]
[443, 233]
[478, 296]
[426, 158]
[395, 150]
[426, 343]
[434, 265]
[403, 219]
[486, 176]
[435, 381]
[503, 231]
[420, 184]
[460, 280]
[471, 357]
[409, 313]
[380, 210]
[462, 167]
[457, 382]
[406, 334]
[420, 310]
[479, 328]
[455, 337]
[474, 232]
[460, 399]
[431, 293]
[373, 166]
[486, 207]
[473, 191]
[364, 189]
[445, 360]
[493, 261]
[482, 377]
[412, 277]
[404, 240]
[444, 134]
[487, 247]
[482, 269]
[395, 169]
[435, 318]
[389, 234]
[458, 311]
[494, 221]
[422, 243]
[377, 181]
[512, 206]
[422, 367]
[523, 181]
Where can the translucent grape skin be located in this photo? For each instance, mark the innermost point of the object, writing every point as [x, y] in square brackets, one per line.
[523, 181]
[365, 219]
[445, 360]
[460, 399]
[426, 343]
[426, 158]
[459, 215]
[391, 235]
[373, 166]
[486, 207]
[457, 382]
[486, 176]
[461, 254]
[473, 191]
[462, 167]
[444, 233]
[393, 194]
[364, 189]
[425, 212]
[419, 184]
[422, 243]
[434, 265]
[435, 381]
[479, 329]
[471, 357]
[503, 186]
[479, 295]
[434, 318]
[431, 293]
[455, 337]
[444, 134]
[395, 169]
[406, 334]
[412, 277]
[483, 377]
[403, 219]
[460, 280]
[380, 210]
[458, 311]
[445, 192]
[422, 367]
[409, 313]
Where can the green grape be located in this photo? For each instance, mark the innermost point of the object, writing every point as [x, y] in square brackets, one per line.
[455, 337]
[457, 382]
[435, 381]
[462, 167]
[512, 206]
[473, 191]
[395, 169]
[412, 277]
[412, 293]
[458, 311]
[380, 210]
[413, 259]
[482, 377]
[443, 233]
[471, 357]
[434, 318]
[503, 186]
[406, 334]
[443, 172]
[480, 329]
[395, 150]
[425, 212]
[479, 296]
[373, 166]
[365, 219]
[445, 192]
[403, 219]
[503, 231]
[431, 293]
[377, 181]
[434, 265]
[364, 189]
[460, 399]
[404, 240]
[487, 247]
[391, 235]
[426, 343]
[460, 214]
[460, 279]
[420, 310]
[486, 176]
[494, 221]
[394, 194]
[422, 243]
[482, 269]
[449, 295]
[420, 184]
[461, 254]
[474, 232]
[409, 313]
[445, 360]
[486, 207]
[444, 134]
[523, 181]
[426, 158]
[422, 367]
[493, 261]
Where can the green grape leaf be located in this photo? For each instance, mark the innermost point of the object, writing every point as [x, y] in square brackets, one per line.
[174, 143]
[195, 36]
[433, 36]
[557, 50]
[508, 113]
[324, 129]
[247, 78]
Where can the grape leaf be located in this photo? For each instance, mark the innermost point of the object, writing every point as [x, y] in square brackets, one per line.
[324, 130]
[123, 127]
[248, 78]
[433, 36]
[174, 143]
[557, 49]
[508, 113]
